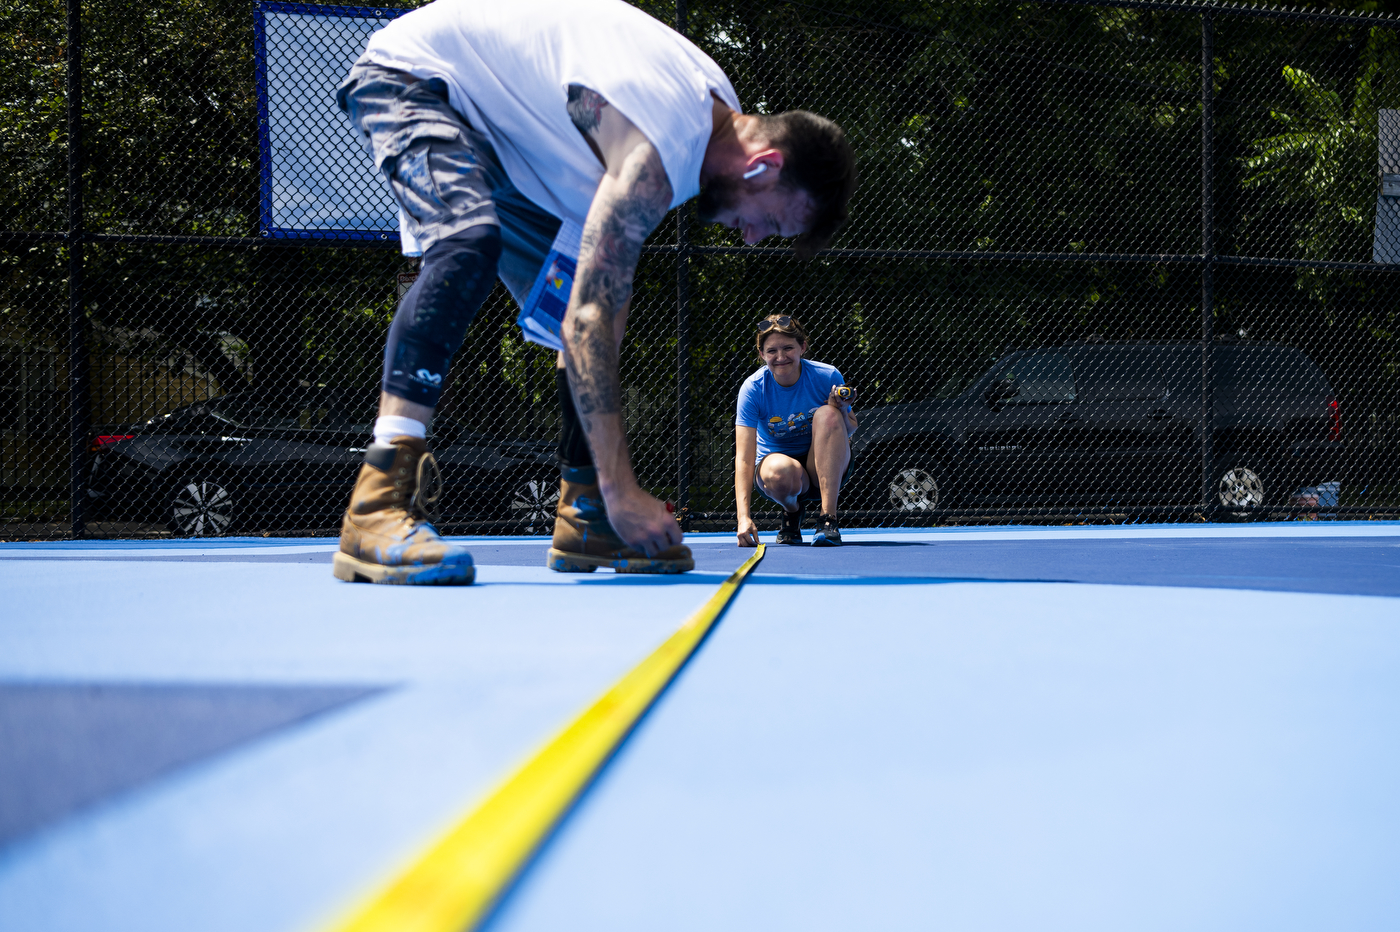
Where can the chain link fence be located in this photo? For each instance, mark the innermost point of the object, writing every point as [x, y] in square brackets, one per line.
[1107, 262]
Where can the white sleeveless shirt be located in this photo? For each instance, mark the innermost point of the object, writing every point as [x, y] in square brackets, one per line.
[508, 65]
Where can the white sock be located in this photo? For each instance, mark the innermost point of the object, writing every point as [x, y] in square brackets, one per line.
[389, 426]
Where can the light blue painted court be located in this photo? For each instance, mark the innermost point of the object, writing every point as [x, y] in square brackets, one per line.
[1174, 727]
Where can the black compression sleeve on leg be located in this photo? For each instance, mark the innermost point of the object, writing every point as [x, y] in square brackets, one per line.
[573, 442]
[458, 273]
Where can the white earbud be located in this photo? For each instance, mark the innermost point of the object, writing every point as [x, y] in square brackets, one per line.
[756, 171]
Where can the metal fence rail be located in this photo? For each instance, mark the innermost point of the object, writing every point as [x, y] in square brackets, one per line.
[1112, 261]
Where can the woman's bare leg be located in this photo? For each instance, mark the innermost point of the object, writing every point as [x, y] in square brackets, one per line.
[784, 479]
[831, 453]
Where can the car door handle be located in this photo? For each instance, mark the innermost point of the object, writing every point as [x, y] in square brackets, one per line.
[1067, 418]
[1161, 414]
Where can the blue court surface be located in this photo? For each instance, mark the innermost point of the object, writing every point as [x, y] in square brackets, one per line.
[1108, 728]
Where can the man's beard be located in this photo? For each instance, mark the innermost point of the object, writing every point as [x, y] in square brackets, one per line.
[717, 195]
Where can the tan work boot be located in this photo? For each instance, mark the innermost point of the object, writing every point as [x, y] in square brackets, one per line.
[584, 538]
[386, 535]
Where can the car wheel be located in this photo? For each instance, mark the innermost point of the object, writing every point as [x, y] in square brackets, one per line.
[201, 507]
[915, 490]
[1240, 489]
[533, 503]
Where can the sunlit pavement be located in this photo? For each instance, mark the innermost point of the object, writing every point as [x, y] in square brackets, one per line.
[1008, 728]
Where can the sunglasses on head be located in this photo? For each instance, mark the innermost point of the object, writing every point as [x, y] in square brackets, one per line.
[775, 323]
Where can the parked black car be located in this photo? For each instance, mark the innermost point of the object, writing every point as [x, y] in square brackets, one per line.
[249, 459]
[1107, 423]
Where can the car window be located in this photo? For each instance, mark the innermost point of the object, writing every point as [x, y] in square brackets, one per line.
[1036, 378]
[1267, 368]
[177, 421]
[957, 384]
[1121, 373]
[245, 411]
[261, 412]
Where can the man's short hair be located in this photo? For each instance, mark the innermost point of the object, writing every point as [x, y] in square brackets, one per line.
[818, 159]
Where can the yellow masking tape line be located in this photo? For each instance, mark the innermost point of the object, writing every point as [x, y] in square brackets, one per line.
[453, 884]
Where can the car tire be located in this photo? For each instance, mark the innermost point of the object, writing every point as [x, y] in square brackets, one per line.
[914, 488]
[1242, 488]
[200, 506]
[533, 503]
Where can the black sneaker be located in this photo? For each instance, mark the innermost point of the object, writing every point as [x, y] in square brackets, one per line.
[828, 534]
[790, 532]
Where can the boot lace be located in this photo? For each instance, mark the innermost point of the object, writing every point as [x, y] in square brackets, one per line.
[427, 489]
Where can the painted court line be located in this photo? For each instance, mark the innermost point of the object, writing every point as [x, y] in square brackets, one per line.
[72, 553]
[1298, 530]
[254, 546]
[453, 885]
[212, 547]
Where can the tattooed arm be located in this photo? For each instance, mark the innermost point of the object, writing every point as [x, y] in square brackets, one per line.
[585, 108]
[631, 200]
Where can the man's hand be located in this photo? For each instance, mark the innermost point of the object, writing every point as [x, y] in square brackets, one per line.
[642, 520]
[748, 532]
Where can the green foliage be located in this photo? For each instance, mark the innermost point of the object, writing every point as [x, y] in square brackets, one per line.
[32, 114]
[1324, 162]
[170, 134]
[981, 125]
[1322, 170]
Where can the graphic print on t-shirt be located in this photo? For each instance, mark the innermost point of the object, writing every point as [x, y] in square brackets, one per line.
[795, 425]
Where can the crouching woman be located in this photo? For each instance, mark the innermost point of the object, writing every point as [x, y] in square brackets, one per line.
[792, 435]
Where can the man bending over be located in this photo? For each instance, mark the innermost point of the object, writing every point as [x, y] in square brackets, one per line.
[493, 123]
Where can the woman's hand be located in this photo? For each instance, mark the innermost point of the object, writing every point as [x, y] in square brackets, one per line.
[745, 443]
[748, 532]
[844, 405]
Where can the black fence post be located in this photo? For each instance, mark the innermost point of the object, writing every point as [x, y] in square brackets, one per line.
[1208, 257]
[683, 452]
[77, 336]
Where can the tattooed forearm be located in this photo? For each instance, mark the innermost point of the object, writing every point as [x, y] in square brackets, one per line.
[593, 375]
[625, 211]
[620, 221]
[585, 108]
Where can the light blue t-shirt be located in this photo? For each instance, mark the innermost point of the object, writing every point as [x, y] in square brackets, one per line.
[783, 416]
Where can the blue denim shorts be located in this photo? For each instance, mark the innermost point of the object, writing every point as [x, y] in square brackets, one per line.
[443, 172]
